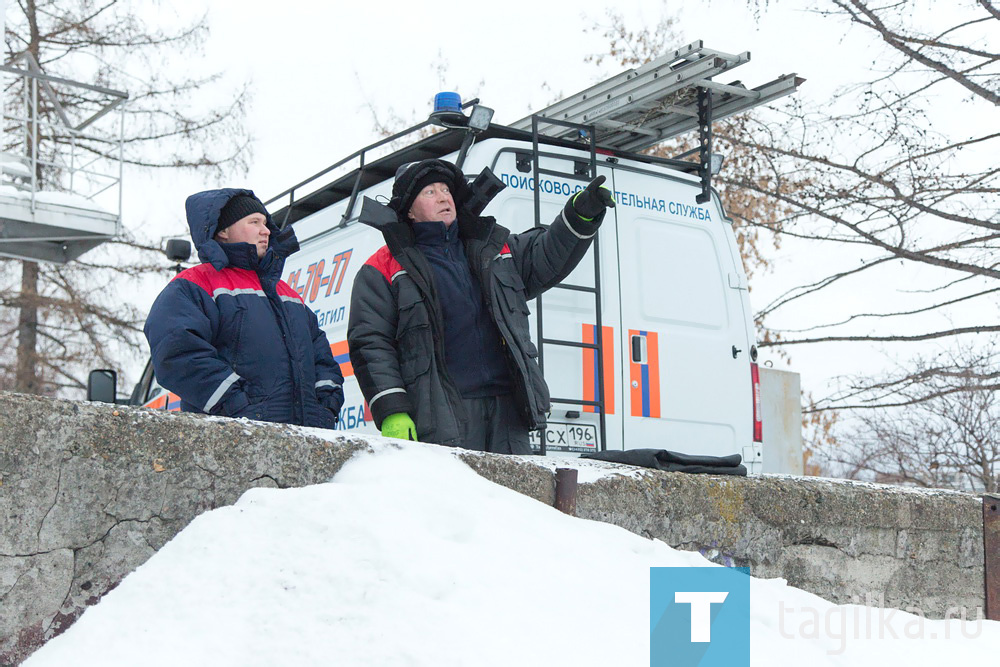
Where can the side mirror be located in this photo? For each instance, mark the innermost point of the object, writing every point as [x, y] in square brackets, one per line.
[102, 386]
[178, 250]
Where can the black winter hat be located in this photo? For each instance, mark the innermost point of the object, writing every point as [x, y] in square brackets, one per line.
[238, 208]
[413, 177]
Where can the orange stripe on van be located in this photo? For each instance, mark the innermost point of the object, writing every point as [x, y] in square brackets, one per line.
[634, 378]
[342, 357]
[157, 403]
[590, 369]
[644, 378]
[653, 350]
[168, 401]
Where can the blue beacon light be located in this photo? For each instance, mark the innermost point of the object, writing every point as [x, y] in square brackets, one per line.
[448, 103]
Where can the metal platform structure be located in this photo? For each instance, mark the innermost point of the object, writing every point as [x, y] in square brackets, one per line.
[60, 176]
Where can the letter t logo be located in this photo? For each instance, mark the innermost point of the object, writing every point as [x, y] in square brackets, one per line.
[701, 611]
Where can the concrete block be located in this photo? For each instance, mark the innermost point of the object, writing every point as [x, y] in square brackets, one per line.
[89, 492]
[32, 589]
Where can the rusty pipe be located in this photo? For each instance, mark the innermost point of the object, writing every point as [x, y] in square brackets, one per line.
[566, 490]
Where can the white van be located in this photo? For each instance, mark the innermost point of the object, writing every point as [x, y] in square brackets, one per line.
[649, 343]
[678, 339]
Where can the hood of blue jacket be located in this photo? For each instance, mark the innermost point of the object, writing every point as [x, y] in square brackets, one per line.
[203, 209]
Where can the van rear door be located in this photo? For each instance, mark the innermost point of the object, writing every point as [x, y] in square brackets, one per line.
[685, 348]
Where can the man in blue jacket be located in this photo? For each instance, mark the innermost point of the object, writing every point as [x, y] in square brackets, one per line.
[229, 336]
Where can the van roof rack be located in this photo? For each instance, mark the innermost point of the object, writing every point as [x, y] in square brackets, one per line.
[303, 199]
[659, 100]
[627, 113]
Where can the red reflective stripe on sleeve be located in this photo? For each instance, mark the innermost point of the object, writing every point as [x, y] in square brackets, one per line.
[284, 289]
[206, 277]
[385, 263]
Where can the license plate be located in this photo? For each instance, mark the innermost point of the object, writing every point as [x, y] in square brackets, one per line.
[562, 437]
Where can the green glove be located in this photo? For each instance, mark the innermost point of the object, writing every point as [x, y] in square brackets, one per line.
[591, 201]
[399, 426]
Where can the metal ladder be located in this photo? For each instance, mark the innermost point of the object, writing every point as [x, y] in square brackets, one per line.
[585, 173]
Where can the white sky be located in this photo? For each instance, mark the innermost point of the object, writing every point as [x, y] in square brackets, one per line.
[410, 558]
[316, 68]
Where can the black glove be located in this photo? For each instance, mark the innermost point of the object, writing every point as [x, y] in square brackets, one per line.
[591, 201]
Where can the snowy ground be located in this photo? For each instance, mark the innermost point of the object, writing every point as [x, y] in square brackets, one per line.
[410, 558]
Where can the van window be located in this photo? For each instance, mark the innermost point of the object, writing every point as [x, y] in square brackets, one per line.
[154, 390]
[679, 266]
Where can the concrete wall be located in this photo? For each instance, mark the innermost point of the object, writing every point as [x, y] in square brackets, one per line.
[88, 492]
[844, 542]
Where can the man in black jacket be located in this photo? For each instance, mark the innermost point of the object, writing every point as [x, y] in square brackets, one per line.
[438, 330]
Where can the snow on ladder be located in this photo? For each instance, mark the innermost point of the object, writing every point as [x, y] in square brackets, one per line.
[659, 100]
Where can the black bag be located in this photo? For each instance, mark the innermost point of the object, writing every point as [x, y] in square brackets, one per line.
[663, 459]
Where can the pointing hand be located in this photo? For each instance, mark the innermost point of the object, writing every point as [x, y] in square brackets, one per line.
[591, 201]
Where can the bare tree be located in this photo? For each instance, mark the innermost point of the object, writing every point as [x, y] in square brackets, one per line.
[894, 181]
[757, 213]
[874, 172]
[940, 426]
[750, 209]
[71, 316]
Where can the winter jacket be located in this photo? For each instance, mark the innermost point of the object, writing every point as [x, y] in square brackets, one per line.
[231, 338]
[473, 348]
[395, 331]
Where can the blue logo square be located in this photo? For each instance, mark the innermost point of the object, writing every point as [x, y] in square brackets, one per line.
[699, 616]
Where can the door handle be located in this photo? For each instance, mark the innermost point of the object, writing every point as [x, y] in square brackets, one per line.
[638, 349]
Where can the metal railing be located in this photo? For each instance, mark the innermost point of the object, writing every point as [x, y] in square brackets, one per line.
[359, 160]
[360, 155]
[45, 150]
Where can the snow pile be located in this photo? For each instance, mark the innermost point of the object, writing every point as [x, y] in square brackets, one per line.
[410, 558]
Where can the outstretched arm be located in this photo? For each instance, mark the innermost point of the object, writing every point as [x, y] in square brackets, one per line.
[544, 257]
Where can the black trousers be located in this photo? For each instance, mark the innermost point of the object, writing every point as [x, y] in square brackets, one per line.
[495, 425]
